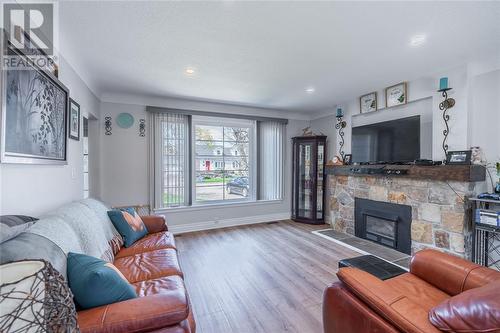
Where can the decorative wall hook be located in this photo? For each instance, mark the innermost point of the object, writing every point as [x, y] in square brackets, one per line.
[446, 104]
[107, 125]
[339, 126]
[142, 127]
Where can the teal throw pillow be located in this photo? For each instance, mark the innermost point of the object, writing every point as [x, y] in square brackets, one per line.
[95, 282]
[129, 224]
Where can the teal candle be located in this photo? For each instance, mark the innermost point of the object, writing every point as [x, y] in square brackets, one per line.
[443, 83]
[340, 113]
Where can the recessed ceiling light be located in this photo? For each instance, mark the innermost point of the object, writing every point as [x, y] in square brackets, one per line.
[190, 71]
[417, 40]
[310, 90]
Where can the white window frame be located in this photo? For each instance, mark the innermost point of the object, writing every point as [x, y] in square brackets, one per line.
[252, 155]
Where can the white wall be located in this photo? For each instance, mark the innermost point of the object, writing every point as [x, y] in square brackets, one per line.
[125, 179]
[484, 119]
[326, 125]
[124, 158]
[37, 189]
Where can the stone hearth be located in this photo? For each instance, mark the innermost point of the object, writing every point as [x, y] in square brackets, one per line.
[438, 215]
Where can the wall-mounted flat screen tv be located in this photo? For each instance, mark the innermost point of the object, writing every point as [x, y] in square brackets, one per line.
[389, 141]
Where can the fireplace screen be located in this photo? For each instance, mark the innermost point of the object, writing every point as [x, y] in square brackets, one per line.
[381, 230]
[384, 223]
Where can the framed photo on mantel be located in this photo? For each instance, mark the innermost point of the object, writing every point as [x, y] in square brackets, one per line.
[368, 102]
[396, 95]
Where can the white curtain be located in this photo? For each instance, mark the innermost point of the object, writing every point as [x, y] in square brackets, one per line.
[271, 160]
[169, 147]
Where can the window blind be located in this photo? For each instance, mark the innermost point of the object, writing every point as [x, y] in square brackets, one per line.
[271, 156]
[170, 148]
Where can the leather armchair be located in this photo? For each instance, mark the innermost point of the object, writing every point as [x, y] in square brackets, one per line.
[362, 303]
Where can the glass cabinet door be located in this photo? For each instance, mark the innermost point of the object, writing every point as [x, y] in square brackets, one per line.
[319, 181]
[305, 180]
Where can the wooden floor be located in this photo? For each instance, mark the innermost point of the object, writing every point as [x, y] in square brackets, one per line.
[260, 278]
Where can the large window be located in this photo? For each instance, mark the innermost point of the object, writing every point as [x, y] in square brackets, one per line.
[223, 160]
[201, 160]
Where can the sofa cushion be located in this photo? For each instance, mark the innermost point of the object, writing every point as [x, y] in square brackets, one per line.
[154, 223]
[149, 265]
[8, 232]
[95, 282]
[475, 310]
[142, 314]
[101, 213]
[129, 224]
[76, 228]
[157, 241]
[417, 290]
[163, 285]
[33, 247]
[13, 220]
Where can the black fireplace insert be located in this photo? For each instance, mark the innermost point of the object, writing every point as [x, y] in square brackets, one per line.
[385, 223]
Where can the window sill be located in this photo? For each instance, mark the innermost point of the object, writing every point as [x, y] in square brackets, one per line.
[216, 206]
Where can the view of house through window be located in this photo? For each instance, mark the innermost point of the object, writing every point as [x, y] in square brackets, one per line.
[204, 160]
[222, 162]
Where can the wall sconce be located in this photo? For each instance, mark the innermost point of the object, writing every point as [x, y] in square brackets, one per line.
[446, 104]
[339, 126]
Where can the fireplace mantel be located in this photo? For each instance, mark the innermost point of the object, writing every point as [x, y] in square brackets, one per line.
[461, 173]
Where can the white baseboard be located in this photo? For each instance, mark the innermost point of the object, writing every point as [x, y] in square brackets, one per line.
[237, 221]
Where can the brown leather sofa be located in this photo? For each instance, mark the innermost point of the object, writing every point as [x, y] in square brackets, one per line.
[439, 294]
[152, 267]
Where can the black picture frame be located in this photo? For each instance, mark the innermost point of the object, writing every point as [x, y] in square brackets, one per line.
[74, 107]
[347, 159]
[52, 146]
[459, 157]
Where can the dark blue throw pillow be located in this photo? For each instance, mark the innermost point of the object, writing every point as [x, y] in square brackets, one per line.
[95, 282]
[128, 224]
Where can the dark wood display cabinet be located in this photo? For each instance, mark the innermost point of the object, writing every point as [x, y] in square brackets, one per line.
[308, 199]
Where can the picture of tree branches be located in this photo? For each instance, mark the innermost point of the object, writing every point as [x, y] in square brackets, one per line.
[35, 115]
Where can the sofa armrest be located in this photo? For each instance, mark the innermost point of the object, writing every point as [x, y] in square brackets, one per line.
[448, 273]
[387, 302]
[346, 313]
[138, 314]
[154, 223]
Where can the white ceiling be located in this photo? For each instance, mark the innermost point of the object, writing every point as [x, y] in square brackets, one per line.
[265, 54]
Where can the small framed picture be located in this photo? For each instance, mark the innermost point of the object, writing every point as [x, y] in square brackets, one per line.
[396, 95]
[74, 120]
[368, 102]
[347, 159]
[461, 157]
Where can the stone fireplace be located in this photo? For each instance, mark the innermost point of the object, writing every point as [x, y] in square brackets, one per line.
[438, 210]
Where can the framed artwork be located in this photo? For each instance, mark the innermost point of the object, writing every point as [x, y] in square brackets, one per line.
[368, 102]
[34, 116]
[74, 120]
[347, 159]
[396, 95]
[462, 157]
